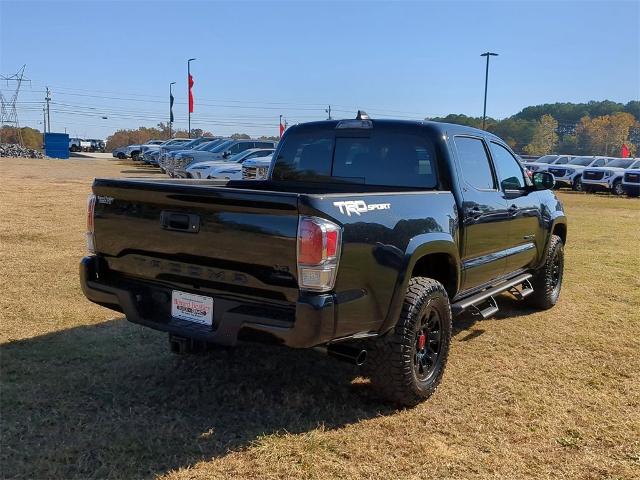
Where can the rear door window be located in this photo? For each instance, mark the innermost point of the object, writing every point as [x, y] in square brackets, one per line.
[474, 163]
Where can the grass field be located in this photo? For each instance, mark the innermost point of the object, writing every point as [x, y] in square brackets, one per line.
[85, 394]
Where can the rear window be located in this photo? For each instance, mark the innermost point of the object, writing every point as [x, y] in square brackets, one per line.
[377, 158]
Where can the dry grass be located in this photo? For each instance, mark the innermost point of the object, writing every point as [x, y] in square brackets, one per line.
[526, 394]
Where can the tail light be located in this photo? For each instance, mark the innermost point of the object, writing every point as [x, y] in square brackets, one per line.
[319, 243]
[91, 205]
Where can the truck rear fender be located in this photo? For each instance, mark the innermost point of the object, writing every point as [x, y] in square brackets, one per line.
[434, 255]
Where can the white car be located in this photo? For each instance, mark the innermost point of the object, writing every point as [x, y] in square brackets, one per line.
[230, 168]
[256, 169]
[631, 182]
[570, 174]
[133, 151]
[608, 178]
[541, 164]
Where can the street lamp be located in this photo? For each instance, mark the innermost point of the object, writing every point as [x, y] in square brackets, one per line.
[486, 81]
[189, 87]
[170, 108]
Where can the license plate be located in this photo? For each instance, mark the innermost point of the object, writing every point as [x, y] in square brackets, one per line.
[191, 307]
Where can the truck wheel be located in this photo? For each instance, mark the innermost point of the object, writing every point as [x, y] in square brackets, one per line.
[577, 184]
[135, 156]
[407, 364]
[121, 156]
[617, 189]
[547, 281]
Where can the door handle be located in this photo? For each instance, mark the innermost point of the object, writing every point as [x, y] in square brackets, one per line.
[513, 209]
[178, 221]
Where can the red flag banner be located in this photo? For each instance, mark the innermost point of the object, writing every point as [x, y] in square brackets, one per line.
[625, 151]
[190, 93]
[281, 130]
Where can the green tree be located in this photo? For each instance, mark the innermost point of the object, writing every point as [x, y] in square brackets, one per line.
[545, 138]
[240, 136]
[568, 145]
[460, 119]
[515, 131]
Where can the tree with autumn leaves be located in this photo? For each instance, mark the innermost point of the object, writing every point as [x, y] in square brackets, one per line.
[606, 134]
[545, 137]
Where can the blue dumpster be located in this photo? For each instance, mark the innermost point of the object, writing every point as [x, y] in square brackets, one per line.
[56, 145]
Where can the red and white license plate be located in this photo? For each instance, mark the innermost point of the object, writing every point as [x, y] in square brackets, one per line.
[191, 307]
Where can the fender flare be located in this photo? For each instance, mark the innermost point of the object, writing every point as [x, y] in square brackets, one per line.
[418, 247]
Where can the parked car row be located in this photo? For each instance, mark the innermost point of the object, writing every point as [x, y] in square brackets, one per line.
[203, 157]
[86, 145]
[211, 156]
[587, 173]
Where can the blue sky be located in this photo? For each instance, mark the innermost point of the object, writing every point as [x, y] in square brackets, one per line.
[257, 60]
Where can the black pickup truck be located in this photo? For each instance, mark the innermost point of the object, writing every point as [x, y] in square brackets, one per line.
[367, 237]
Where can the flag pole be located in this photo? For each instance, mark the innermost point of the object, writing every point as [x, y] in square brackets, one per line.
[170, 108]
[189, 88]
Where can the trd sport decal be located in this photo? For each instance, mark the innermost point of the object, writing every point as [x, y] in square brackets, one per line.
[359, 207]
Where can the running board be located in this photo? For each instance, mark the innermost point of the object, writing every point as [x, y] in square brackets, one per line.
[486, 296]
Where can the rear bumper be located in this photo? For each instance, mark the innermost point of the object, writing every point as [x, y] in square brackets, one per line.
[309, 323]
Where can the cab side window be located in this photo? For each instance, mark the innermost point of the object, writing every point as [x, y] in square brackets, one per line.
[599, 163]
[474, 163]
[510, 174]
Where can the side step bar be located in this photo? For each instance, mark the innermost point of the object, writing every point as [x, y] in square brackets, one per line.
[484, 303]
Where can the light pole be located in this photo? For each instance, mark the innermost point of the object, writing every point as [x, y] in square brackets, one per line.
[170, 108]
[486, 81]
[189, 85]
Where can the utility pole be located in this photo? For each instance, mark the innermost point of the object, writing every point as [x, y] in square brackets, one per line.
[44, 126]
[328, 110]
[189, 86]
[171, 109]
[486, 81]
[48, 99]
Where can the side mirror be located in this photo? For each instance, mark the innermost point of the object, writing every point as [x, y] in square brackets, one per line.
[543, 180]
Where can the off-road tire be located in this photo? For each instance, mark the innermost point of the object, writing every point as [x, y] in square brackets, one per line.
[135, 156]
[394, 361]
[616, 188]
[547, 281]
[121, 156]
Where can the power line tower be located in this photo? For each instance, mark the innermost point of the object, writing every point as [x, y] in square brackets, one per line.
[8, 112]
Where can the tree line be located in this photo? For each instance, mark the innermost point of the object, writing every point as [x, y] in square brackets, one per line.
[593, 128]
[140, 135]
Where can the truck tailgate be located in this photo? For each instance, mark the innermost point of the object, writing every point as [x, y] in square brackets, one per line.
[200, 236]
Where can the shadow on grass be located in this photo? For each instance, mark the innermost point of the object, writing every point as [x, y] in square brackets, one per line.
[109, 400]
